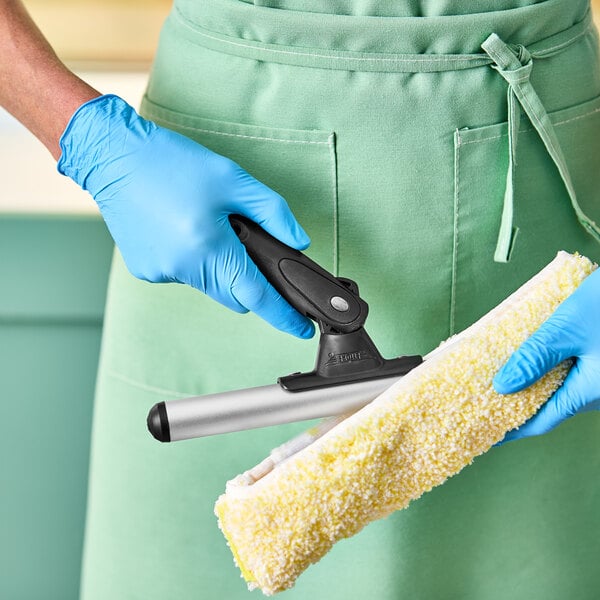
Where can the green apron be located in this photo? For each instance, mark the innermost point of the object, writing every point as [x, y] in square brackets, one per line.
[412, 156]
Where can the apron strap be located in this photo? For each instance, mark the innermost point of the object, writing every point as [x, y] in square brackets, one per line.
[514, 63]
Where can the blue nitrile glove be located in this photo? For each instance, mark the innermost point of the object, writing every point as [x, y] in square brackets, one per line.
[166, 201]
[573, 330]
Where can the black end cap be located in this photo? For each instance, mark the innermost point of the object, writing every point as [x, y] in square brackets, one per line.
[158, 422]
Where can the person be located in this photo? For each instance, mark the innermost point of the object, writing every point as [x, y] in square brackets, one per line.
[411, 141]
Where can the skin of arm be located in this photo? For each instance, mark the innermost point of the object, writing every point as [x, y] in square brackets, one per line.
[35, 86]
[165, 233]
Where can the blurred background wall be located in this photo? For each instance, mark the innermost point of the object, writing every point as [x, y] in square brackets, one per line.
[112, 30]
[121, 32]
[55, 254]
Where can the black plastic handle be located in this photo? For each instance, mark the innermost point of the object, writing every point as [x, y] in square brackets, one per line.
[309, 288]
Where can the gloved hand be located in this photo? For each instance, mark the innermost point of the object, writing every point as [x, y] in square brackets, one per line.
[573, 330]
[166, 201]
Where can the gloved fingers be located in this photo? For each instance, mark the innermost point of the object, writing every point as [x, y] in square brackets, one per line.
[251, 289]
[547, 347]
[266, 207]
[568, 400]
[217, 293]
[210, 277]
[231, 303]
[588, 385]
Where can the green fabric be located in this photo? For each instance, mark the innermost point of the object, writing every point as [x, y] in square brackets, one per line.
[394, 8]
[516, 67]
[388, 136]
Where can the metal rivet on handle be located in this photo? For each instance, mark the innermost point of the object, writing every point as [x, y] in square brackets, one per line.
[339, 304]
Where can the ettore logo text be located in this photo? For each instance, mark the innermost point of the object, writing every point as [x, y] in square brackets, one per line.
[346, 357]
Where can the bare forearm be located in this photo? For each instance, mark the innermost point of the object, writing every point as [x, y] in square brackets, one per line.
[35, 86]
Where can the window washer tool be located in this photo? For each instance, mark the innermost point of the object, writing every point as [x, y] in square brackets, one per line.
[287, 512]
[349, 370]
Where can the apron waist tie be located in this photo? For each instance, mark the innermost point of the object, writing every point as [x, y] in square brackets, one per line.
[515, 63]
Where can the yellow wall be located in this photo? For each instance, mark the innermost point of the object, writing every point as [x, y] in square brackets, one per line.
[114, 31]
[101, 31]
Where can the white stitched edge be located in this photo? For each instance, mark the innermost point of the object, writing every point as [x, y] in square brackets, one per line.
[146, 387]
[458, 145]
[548, 133]
[432, 58]
[559, 160]
[521, 79]
[455, 233]
[495, 137]
[460, 141]
[587, 114]
[334, 184]
[514, 81]
[542, 53]
[495, 56]
[545, 51]
[240, 135]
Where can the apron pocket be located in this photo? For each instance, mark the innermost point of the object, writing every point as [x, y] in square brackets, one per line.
[543, 212]
[299, 164]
